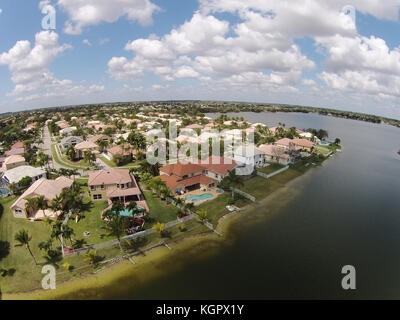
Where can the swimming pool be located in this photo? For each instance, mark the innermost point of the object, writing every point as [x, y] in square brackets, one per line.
[200, 197]
[130, 213]
[4, 191]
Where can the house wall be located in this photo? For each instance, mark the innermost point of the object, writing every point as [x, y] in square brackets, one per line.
[15, 165]
[103, 192]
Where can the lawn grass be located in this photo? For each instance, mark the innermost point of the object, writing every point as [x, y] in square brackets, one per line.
[160, 211]
[271, 168]
[108, 162]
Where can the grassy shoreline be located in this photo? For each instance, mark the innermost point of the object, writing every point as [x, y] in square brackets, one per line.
[221, 219]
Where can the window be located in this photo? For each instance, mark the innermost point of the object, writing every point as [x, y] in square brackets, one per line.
[102, 187]
[122, 186]
[17, 211]
[185, 176]
[118, 185]
[97, 197]
[92, 188]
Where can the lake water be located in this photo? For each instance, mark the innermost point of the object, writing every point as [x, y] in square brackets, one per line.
[346, 212]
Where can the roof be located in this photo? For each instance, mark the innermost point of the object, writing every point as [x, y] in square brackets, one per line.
[219, 165]
[273, 151]
[303, 143]
[43, 187]
[122, 151]
[181, 169]
[247, 151]
[66, 139]
[284, 142]
[69, 129]
[18, 144]
[86, 145]
[16, 174]
[10, 160]
[15, 151]
[173, 181]
[96, 138]
[193, 126]
[124, 192]
[110, 176]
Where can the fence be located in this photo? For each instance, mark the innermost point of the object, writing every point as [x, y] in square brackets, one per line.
[268, 176]
[244, 194]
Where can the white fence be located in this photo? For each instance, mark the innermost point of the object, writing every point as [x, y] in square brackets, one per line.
[268, 176]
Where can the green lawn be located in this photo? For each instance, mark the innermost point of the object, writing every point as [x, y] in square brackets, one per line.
[258, 187]
[108, 162]
[160, 211]
[271, 168]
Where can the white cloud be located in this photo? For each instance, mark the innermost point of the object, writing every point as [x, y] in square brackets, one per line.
[29, 66]
[87, 42]
[1, 11]
[84, 13]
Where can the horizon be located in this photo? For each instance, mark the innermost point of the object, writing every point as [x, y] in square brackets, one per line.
[346, 57]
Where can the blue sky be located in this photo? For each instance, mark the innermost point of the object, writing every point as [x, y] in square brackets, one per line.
[305, 52]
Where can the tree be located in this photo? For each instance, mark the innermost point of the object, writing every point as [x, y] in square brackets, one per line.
[116, 224]
[68, 232]
[232, 180]
[25, 182]
[102, 143]
[159, 228]
[31, 206]
[202, 215]
[89, 157]
[23, 238]
[71, 153]
[337, 141]
[92, 257]
[41, 204]
[137, 140]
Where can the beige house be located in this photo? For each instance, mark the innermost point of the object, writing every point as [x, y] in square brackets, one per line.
[115, 184]
[43, 187]
[276, 154]
[12, 162]
[80, 148]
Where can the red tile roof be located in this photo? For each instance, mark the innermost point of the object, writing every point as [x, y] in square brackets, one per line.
[181, 169]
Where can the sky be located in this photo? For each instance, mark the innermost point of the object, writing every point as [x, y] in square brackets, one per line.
[341, 54]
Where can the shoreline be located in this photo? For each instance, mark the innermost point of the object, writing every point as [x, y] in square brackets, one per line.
[90, 284]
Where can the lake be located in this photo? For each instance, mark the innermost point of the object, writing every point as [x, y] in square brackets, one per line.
[346, 212]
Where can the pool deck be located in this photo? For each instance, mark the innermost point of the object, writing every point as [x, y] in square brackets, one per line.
[198, 192]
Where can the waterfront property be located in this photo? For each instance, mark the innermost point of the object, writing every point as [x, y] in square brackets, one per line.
[277, 154]
[115, 184]
[49, 189]
[293, 144]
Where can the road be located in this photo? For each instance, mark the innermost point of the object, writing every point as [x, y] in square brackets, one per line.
[46, 147]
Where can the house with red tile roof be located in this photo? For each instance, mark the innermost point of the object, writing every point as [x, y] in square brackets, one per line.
[187, 177]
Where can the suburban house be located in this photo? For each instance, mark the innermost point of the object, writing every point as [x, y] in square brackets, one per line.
[15, 151]
[125, 151]
[295, 144]
[80, 148]
[71, 141]
[62, 124]
[43, 187]
[13, 162]
[115, 184]
[181, 178]
[98, 137]
[276, 154]
[218, 168]
[16, 174]
[67, 131]
[248, 157]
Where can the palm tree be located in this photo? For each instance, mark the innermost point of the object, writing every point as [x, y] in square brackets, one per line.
[159, 228]
[132, 206]
[92, 257]
[233, 180]
[23, 238]
[41, 204]
[202, 215]
[116, 226]
[71, 153]
[68, 232]
[31, 205]
[102, 143]
[89, 157]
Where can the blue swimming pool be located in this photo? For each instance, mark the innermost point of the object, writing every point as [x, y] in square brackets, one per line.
[4, 191]
[200, 197]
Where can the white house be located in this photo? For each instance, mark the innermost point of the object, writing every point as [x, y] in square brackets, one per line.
[67, 131]
[248, 158]
[15, 175]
